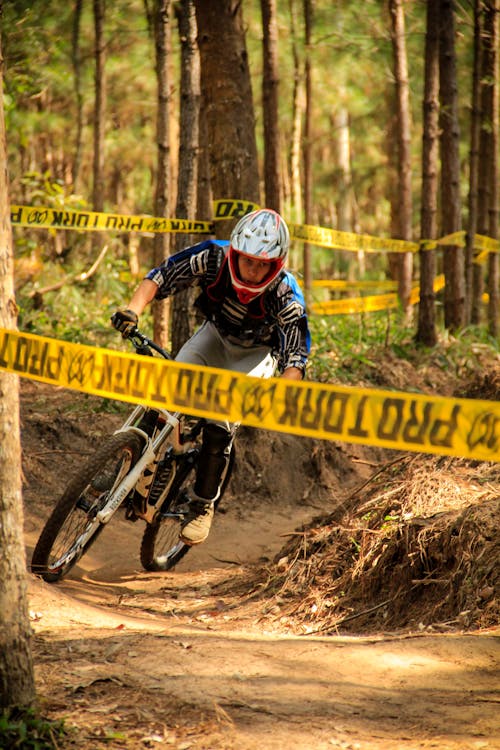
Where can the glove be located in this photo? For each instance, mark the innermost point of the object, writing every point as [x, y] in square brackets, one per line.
[124, 321]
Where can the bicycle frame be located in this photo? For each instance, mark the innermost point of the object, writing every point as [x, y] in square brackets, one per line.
[153, 445]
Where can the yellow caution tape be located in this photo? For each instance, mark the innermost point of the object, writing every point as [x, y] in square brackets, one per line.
[371, 303]
[232, 209]
[487, 244]
[481, 257]
[414, 422]
[43, 218]
[325, 237]
[457, 238]
[344, 284]
[54, 218]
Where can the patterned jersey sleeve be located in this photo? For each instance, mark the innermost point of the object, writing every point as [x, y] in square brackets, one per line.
[292, 326]
[186, 268]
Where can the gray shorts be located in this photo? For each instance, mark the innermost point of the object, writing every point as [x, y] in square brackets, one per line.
[209, 348]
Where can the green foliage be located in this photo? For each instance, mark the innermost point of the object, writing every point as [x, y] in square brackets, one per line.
[342, 344]
[352, 72]
[78, 311]
[24, 729]
[43, 190]
[348, 348]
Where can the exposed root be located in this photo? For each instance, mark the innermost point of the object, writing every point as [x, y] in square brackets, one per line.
[422, 550]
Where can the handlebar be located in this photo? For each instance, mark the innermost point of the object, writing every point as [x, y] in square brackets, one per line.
[144, 345]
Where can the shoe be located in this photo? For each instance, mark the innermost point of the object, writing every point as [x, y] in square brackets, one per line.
[198, 521]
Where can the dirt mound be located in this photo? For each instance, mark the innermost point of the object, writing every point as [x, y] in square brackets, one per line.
[485, 385]
[415, 546]
[421, 550]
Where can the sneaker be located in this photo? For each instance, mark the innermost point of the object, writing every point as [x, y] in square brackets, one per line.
[198, 521]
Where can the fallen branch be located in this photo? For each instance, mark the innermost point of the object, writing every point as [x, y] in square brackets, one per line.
[77, 278]
[377, 473]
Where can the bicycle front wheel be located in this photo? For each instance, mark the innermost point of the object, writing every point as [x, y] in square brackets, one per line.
[73, 524]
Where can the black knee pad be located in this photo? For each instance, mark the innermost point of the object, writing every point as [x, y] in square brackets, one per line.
[212, 461]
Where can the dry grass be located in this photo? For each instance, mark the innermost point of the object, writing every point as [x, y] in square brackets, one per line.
[419, 550]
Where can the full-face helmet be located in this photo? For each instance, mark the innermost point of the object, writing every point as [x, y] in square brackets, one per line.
[261, 235]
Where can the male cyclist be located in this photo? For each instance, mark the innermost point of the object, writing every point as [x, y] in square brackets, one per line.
[255, 322]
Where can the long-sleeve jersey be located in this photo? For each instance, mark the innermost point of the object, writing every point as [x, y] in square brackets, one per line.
[276, 318]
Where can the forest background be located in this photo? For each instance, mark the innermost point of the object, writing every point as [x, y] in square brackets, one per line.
[381, 124]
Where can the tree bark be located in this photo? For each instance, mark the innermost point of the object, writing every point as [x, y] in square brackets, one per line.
[307, 260]
[17, 683]
[270, 90]
[296, 135]
[453, 256]
[426, 330]
[228, 103]
[100, 106]
[182, 316]
[403, 119]
[76, 59]
[475, 126]
[491, 54]
[161, 244]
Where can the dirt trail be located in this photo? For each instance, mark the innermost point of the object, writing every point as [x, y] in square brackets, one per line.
[138, 660]
[160, 661]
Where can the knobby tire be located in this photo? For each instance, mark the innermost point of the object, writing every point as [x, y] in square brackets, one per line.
[72, 526]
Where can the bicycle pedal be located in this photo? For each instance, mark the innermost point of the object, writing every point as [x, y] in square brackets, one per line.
[172, 514]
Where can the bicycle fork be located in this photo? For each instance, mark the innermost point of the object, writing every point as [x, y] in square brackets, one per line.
[149, 454]
[126, 485]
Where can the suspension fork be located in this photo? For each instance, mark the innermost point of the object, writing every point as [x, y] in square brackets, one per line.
[151, 450]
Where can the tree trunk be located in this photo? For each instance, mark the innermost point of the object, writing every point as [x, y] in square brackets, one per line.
[228, 103]
[491, 55]
[77, 72]
[403, 127]
[182, 316]
[307, 261]
[296, 135]
[453, 257]
[204, 189]
[100, 106]
[475, 125]
[344, 204]
[97, 239]
[161, 244]
[270, 87]
[484, 162]
[17, 683]
[426, 331]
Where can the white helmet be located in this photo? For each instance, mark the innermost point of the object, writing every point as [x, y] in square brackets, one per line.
[262, 235]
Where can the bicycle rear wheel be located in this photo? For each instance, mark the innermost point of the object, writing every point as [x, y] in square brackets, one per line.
[161, 547]
[73, 524]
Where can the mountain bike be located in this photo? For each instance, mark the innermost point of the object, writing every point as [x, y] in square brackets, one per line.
[145, 466]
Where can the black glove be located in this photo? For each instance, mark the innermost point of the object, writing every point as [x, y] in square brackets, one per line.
[124, 321]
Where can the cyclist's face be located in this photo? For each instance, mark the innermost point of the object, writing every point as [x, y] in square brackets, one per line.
[252, 270]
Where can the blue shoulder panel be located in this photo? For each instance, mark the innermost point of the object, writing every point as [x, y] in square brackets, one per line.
[294, 286]
[187, 252]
